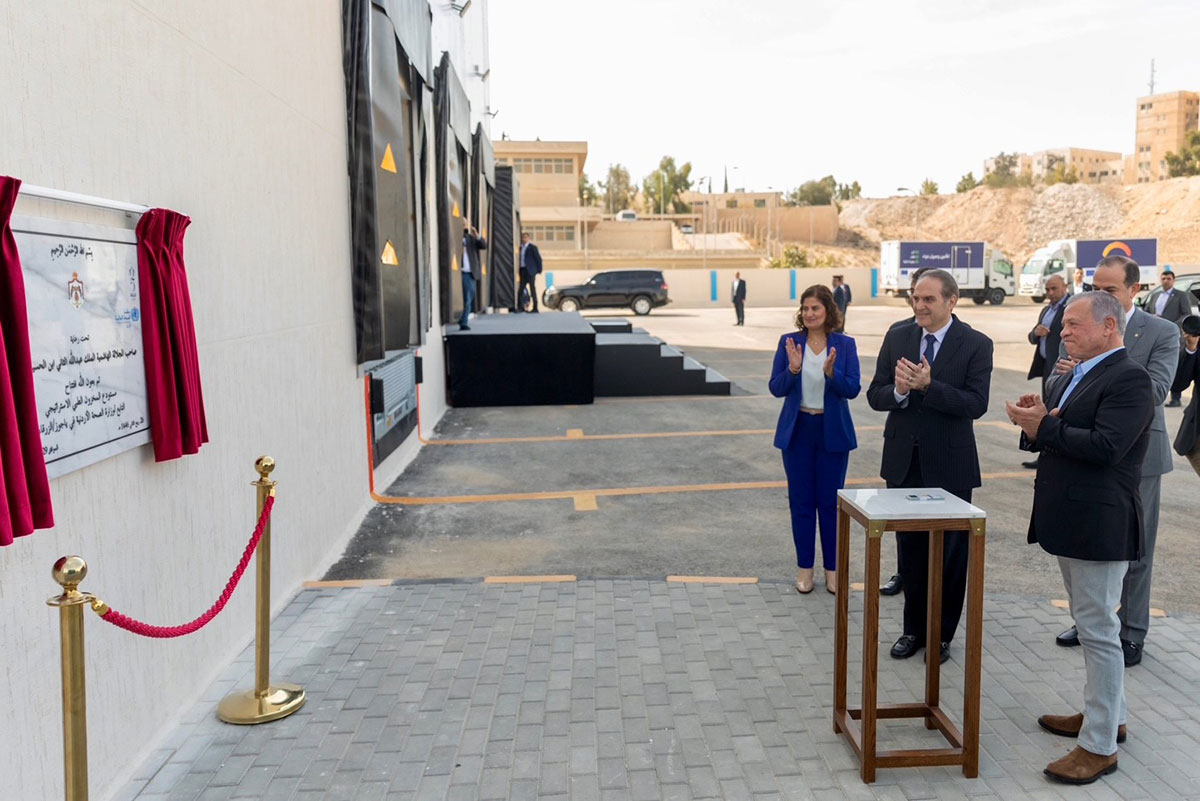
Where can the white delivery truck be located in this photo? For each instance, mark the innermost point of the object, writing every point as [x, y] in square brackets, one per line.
[983, 273]
[1062, 256]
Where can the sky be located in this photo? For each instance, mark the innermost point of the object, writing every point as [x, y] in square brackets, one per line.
[778, 92]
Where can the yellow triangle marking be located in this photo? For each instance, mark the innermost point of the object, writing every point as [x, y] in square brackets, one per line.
[389, 254]
[389, 161]
[454, 262]
[456, 212]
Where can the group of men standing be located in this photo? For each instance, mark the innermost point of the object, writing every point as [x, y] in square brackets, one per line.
[1097, 427]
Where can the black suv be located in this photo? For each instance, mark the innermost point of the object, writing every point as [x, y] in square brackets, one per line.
[640, 290]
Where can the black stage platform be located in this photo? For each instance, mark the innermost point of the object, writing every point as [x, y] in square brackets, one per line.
[521, 360]
[561, 357]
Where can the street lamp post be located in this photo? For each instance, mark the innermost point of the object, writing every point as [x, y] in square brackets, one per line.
[916, 211]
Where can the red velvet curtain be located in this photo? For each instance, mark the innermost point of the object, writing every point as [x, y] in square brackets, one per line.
[176, 403]
[24, 488]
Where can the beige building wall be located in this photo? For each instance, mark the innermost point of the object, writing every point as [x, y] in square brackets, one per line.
[799, 224]
[633, 235]
[548, 173]
[1163, 121]
[692, 289]
[186, 111]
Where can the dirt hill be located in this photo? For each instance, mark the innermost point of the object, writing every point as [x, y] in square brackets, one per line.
[1019, 221]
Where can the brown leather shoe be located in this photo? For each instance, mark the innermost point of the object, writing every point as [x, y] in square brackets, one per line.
[1069, 725]
[1081, 767]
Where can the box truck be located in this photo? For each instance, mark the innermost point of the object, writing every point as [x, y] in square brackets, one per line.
[983, 273]
[1062, 256]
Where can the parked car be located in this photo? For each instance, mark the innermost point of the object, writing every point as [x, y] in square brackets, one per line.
[628, 215]
[640, 290]
[1188, 284]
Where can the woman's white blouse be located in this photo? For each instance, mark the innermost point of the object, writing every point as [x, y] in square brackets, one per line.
[812, 379]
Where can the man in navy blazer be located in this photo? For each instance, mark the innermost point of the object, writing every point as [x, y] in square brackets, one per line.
[531, 267]
[932, 377]
[1092, 435]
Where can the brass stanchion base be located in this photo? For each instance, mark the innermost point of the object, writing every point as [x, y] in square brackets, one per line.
[245, 707]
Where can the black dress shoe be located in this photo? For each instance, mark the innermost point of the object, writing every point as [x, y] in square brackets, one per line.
[1030, 465]
[893, 586]
[1172, 403]
[906, 646]
[464, 328]
[1068, 639]
[1132, 651]
[944, 653]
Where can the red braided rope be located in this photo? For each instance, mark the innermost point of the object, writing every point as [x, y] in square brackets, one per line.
[146, 630]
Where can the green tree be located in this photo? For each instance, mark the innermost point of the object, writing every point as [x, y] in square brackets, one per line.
[1187, 160]
[813, 193]
[1061, 174]
[617, 191]
[848, 191]
[966, 183]
[792, 258]
[1004, 173]
[587, 191]
[662, 188]
[929, 187]
[796, 258]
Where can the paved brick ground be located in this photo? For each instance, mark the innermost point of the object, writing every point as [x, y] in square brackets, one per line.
[639, 689]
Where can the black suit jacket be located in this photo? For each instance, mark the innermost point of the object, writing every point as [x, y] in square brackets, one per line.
[740, 292]
[533, 259]
[1043, 367]
[940, 419]
[1086, 503]
[1188, 372]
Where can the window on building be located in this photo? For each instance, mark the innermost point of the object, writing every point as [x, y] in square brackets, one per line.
[760, 203]
[731, 204]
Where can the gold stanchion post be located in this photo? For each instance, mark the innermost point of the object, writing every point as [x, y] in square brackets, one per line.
[69, 571]
[266, 701]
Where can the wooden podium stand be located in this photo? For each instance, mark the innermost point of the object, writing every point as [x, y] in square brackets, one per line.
[895, 510]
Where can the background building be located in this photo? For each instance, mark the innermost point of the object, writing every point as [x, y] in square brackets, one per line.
[1163, 121]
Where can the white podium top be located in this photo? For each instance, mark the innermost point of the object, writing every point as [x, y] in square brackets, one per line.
[910, 504]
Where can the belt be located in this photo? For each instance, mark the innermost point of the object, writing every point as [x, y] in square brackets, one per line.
[806, 410]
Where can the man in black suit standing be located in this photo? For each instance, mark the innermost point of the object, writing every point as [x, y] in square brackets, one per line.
[531, 267]
[1092, 437]
[1045, 337]
[1171, 304]
[739, 298]
[841, 297]
[895, 584]
[932, 377]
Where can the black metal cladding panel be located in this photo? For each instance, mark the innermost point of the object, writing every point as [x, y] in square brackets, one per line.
[394, 220]
[412, 22]
[503, 242]
[460, 104]
[487, 155]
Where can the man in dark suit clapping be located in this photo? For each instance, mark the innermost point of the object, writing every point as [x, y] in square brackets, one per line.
[1087, 511]
[932, 377]
[1045, 337]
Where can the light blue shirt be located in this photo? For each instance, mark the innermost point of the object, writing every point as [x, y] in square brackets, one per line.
[1082, 369]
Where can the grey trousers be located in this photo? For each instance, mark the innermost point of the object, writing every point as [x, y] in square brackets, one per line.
[1093, 589]
[1135, 590]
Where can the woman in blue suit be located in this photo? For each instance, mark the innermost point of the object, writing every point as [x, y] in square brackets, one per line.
[816, 373]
